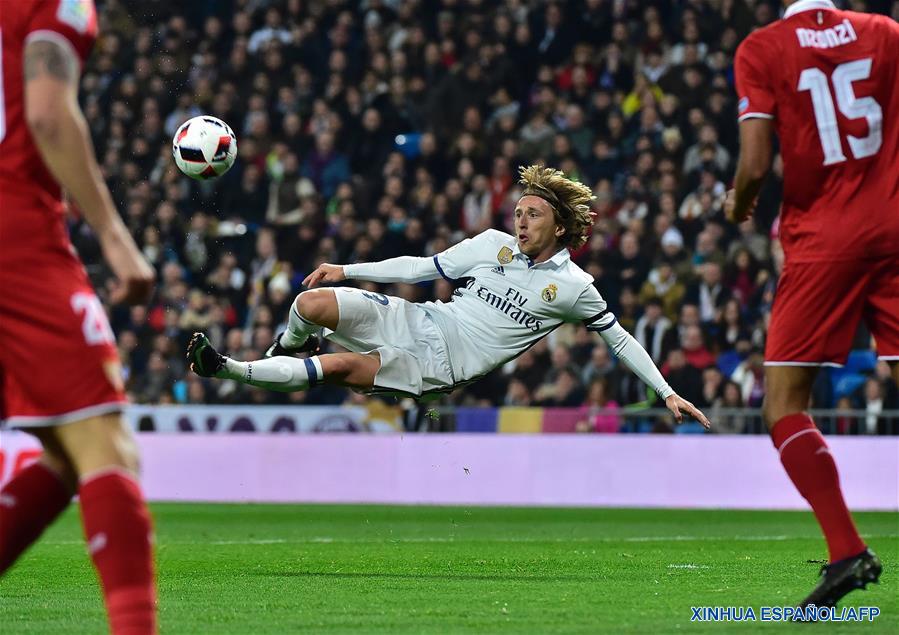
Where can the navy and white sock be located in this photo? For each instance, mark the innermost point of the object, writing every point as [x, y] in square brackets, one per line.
[284, 374]
[298, 329]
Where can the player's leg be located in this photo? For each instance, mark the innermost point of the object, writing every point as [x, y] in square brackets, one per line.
[353, 370]
[62, 373]
[882, 312]
[812, 469]
[285, 373]
[806, 458]
[34, 498]
[809, 328]
[361, 321]
[43, 313]
[116, 521]
[310, 311]
[787, 391]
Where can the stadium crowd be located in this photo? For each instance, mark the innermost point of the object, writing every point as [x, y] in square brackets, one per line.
[379, 128]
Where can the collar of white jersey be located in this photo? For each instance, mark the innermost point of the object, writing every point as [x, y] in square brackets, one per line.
[558, 259]
[807, 5]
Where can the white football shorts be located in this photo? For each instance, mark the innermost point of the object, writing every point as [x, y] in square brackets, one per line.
[414, 358]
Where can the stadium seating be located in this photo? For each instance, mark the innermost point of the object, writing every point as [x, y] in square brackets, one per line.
[381, 133]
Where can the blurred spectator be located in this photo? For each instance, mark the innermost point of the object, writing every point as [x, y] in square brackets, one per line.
[528, 371]
[517, 394]
[712, 387]
[631, 263]
[750, 240]
[156, 381]
[845, 422]
[709, 293]
[663, 287]
[707, 153]
[599, 366]
[371, 130]
[742, 277]
[325, 166]
[477, 207]
[750, 376]
[564, 392]
[732, 399]
[560, 357]
[874, 405]
[694, 349]
[652, 328]
[598, 412]
[272, 31]
[684, 378]
[730, 328]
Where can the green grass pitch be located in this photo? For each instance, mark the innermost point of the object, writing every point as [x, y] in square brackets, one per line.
[254, 569]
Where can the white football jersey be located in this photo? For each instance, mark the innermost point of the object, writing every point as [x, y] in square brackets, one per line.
[504, 302]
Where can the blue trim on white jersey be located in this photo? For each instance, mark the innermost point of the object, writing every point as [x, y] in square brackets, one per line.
[600, 329]
[596, 318]
[440, 271]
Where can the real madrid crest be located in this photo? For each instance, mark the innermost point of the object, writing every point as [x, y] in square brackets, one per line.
[549, 293]
[504, 256]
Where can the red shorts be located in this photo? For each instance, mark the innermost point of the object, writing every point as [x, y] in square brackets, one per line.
[818, 306]
[58, 360]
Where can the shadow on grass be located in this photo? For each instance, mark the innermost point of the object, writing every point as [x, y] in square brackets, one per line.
[463, 577]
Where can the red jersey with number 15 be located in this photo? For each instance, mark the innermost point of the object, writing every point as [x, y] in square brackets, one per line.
[830, 81]
[73, 25]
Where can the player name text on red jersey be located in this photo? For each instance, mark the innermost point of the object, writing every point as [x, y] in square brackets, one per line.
[837, 35]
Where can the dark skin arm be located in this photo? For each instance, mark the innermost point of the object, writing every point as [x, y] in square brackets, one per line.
[60, 133]
[756, 149]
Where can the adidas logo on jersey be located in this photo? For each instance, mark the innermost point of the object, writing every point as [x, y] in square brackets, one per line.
[499, 269]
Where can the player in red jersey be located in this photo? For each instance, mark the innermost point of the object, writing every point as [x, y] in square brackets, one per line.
[59, 371]
[827, 82]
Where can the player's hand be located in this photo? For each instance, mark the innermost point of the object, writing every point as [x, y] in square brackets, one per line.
[678, 405]
[135, 276]
[730, 208]
[324, 273]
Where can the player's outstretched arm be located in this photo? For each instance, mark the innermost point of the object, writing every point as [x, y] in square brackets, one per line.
[51, 73]
[593, 310]
[638, 360]
[680, 406]
[403, 269]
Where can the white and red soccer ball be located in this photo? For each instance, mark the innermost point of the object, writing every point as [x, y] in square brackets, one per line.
[204, 147]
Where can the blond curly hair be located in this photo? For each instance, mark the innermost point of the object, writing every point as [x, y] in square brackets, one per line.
[569, 199]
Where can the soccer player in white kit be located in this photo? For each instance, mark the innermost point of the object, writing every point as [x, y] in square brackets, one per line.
[510, 291]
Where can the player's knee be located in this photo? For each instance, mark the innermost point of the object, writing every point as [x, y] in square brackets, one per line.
[769, 412]
[778, 405]
[340, 367]
[121, 451]
[60, 465]
[101, 443]
[313, 305]
[129, 457]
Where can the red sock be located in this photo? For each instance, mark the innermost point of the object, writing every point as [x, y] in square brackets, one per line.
[117, 528]
[28, 504]
[810, 466]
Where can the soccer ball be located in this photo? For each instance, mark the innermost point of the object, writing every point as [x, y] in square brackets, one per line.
[204, 147]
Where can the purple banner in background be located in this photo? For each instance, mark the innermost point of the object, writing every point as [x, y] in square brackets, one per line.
[375, 417]
[738, 472]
